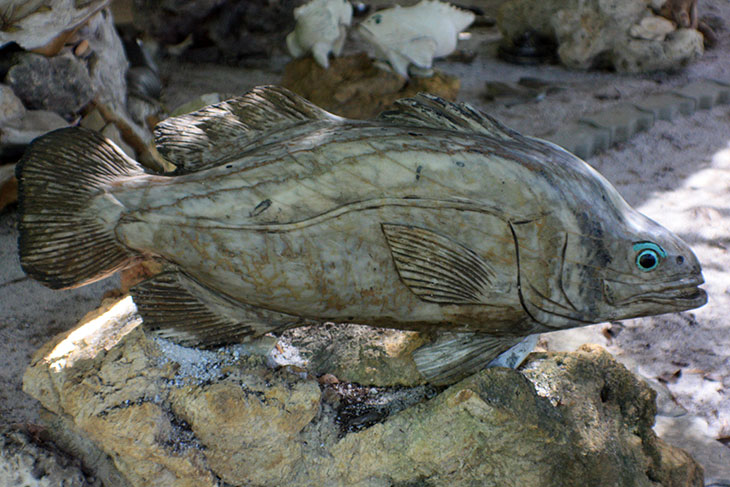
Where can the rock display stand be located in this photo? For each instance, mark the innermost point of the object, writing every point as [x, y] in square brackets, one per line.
[354, 87]
[141, 411]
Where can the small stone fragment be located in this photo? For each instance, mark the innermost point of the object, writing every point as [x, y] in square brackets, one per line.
[328, 379]
[652, 28]
[81, 48]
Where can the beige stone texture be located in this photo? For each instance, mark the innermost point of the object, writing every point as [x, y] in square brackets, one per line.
[165, 415]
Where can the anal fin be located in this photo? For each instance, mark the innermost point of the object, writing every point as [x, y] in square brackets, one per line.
[454, 356]
[175, 306]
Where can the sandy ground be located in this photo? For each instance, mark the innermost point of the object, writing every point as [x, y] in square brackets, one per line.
[678, 173]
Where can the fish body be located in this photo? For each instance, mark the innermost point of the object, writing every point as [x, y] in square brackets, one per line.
[321, 29]
[433, 217]
[404, 36]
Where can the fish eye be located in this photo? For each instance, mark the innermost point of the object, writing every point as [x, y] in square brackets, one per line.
[649, 255]
[647, 260]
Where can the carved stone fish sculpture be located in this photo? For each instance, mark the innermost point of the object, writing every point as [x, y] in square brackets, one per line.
[432, 217]
[321, 29]
[404, 36]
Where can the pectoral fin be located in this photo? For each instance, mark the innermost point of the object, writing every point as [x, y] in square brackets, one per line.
[420, 51]
[175, 306]
[436, 268]
[454, 356]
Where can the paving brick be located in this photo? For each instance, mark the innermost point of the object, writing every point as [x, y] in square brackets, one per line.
[622, 121]
[581, 139]
[666, 106]
[706, 93]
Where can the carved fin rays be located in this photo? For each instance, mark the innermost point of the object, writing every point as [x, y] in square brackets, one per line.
[174, 305]
[219, 132]
[436, 268]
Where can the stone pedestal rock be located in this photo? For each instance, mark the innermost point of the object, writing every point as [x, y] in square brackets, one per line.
[157, 414]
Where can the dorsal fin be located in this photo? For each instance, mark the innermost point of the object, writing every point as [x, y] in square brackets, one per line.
[424, 110]
[215, 133]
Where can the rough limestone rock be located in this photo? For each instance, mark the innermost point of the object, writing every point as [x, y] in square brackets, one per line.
[26, 460]
[157, 414]
[356, 353]
[354, 87]
[621, 34]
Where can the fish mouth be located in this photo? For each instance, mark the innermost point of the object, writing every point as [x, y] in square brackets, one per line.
[683, 294]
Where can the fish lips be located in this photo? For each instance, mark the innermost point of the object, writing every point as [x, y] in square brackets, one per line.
[675, 295]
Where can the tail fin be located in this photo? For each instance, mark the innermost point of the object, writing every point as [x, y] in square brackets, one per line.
[66, 225]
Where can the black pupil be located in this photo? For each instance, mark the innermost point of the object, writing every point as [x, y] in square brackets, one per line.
[647, 260]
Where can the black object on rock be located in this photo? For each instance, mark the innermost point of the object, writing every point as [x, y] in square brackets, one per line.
[529, 48]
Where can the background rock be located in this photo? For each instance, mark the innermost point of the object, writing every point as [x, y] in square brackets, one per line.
[108, 70]
[60, 84]
[17, 133]
[10, 105]
[624, 34]
[45, 24]
[169, 415]
[354, 87]
[226, 31]
[679, 48]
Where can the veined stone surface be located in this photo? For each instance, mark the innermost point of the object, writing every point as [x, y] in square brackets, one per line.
[37, 24]
[166, 415]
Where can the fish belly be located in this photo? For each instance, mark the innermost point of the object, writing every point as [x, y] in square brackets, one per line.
[339, 266]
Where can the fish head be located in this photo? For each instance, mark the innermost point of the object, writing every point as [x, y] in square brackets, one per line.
[598, 259]
[653, 271]
[380, 25]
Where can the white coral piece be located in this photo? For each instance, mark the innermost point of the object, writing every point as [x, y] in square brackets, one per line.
[321, 29]
[404, 36]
